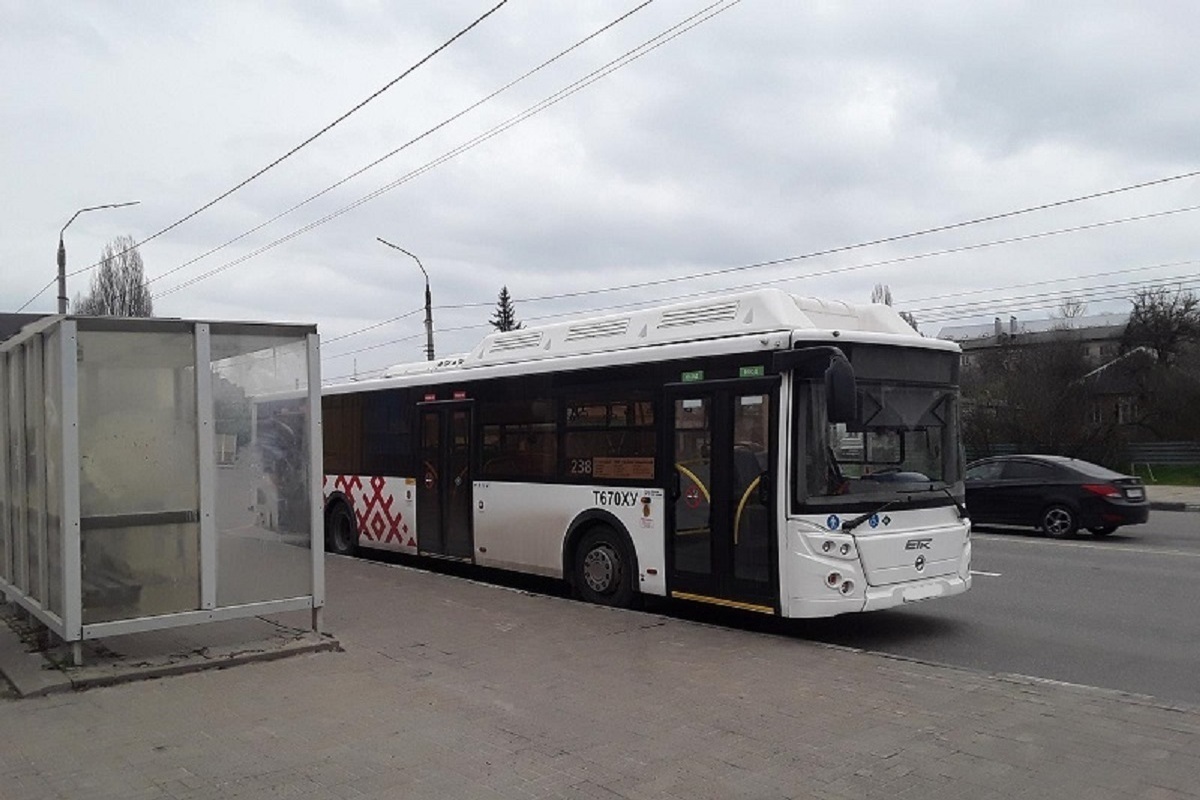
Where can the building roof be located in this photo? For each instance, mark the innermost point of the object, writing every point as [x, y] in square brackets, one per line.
[1013, 326]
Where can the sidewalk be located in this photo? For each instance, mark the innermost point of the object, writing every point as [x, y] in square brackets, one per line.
[446, 688]
[1173, 498]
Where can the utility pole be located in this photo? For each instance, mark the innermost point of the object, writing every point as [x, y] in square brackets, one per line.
[428, 299]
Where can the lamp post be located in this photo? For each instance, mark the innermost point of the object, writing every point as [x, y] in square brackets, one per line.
[62, 251]
[428, 299]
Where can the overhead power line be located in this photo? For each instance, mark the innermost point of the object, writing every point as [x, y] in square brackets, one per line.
[373, 326]
[899, 238]
[850, 267]
[298, 147]
[921, 311]
[1111, 291]
[821, 273]
[406, 145]
[1109, 273]
[629, 57]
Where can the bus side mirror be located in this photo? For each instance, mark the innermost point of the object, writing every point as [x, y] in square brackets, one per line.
[841, 391]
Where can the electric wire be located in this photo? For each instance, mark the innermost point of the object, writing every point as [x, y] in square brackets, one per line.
[429, 132]
[1125, 271]
[618, 63]
[373, 326]
[1117, 291]
[824, 272]
[832, 270]
[295, 149]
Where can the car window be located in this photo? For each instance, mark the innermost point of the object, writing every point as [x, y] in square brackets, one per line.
[985, 472]
[1094, 470]
[1028, 470]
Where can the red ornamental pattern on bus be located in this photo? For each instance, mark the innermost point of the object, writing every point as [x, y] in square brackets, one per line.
[376, 509]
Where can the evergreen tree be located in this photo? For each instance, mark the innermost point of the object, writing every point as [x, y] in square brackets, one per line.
[505, 316]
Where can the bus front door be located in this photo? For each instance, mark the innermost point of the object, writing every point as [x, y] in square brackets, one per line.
[444, 483]
[722, 539]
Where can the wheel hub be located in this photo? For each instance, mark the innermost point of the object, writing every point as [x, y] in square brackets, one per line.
[1058, 521]
[600, 567]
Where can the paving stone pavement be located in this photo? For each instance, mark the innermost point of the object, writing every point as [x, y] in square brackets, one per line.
[446, 688]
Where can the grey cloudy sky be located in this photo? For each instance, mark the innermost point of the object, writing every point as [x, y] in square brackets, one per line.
[772, 130]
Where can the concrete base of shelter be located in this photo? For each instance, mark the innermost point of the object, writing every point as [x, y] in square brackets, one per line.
[36, 663]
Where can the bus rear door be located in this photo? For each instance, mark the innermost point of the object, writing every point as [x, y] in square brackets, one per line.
[444, 484]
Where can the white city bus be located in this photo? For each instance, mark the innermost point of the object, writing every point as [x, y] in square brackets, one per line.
[758, 450]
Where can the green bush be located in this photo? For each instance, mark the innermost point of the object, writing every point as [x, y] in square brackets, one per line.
[1169, 474]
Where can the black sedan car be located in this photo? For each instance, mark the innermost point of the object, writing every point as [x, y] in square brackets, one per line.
[1054, 494]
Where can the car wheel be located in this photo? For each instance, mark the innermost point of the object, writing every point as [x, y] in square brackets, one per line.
[1059, 522]
[341, 532]
[1102, 530]
[604, 568]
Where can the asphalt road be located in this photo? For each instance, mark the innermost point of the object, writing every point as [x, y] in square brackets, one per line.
[1121, 612]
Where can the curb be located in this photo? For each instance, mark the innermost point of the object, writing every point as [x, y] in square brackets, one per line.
[1167, 505]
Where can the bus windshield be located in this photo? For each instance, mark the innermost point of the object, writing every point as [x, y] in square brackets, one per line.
[904, 440]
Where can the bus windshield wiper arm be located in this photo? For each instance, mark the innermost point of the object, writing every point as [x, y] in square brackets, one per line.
[962, 510]
[859, 520]
[944, 489]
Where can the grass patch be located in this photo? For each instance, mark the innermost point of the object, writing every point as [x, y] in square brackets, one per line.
[1169, 474]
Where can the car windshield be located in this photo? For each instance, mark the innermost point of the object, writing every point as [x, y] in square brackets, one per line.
[904, 440]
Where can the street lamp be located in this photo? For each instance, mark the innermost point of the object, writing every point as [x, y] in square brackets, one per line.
[428, 299]
[62, 252]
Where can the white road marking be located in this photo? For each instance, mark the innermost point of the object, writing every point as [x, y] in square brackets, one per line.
[985, 574]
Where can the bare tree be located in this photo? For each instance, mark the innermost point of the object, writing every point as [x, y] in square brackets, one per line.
[1071, 308]
[1026, 395]
[505, 316]
[1163, 320]
[118, 288]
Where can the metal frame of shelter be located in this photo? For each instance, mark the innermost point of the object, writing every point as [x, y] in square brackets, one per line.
[115, 516]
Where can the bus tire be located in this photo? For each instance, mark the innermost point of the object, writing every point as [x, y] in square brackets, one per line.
[604, 568]
[341, 531]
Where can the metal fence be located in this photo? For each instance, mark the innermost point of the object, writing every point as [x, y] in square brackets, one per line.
[1122, 456]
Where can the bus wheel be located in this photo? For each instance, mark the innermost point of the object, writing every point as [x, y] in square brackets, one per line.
[604, 568]
[341, 532]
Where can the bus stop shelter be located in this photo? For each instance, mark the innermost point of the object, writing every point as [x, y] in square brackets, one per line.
[135, 491]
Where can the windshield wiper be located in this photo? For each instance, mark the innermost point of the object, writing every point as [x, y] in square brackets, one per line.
[962, 510]
[944, 489]
[859, 520]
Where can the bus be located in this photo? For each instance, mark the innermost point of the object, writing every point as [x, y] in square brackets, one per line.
[757, 450]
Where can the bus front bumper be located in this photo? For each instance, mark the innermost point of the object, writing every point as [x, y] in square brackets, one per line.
[880, 597]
